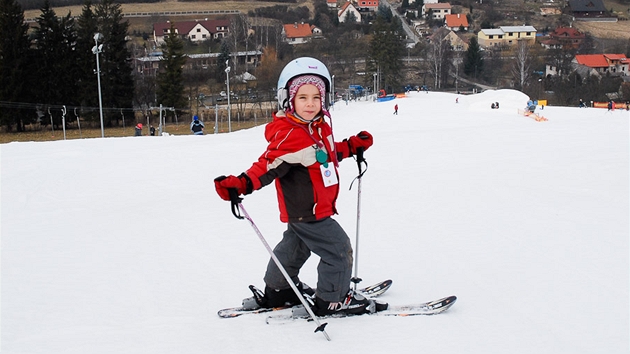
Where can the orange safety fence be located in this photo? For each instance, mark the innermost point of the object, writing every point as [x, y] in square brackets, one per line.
[605, 105]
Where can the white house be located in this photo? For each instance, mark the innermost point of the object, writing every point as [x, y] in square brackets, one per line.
[348, 9]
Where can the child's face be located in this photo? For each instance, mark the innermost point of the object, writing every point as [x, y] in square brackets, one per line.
[308, 102]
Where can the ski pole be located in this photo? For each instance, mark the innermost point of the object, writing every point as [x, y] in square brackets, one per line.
[360, 160]
[237, 210]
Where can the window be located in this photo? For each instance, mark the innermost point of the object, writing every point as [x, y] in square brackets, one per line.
[528, 33]
[510, 34]
[500, 36]
[193, 36]
[490, 37]
[198, 30]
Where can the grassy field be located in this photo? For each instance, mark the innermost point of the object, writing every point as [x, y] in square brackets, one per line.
[172, 5]
[73, 133]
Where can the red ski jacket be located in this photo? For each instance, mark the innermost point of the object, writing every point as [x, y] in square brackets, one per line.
[291, 161]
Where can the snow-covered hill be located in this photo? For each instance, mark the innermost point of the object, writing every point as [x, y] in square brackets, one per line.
[120, 245]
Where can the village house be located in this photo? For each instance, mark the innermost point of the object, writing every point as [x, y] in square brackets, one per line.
[590, 10]
[348, 10]
[195, 31]
[436, 11]
[506, 36]
[564, 37]
[601, 64]
[150, 64]
[367, 5]
[456, 21]
[456, 42]
[298, 33]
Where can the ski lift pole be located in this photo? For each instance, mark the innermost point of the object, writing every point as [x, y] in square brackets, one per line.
[360, 161]
[240, 213]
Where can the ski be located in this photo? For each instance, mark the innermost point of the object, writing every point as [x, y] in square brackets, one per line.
[371, 291]
[422, 309]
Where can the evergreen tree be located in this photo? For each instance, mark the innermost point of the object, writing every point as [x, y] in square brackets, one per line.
[386, 50]
[473, 61]
[117, 85]
[87, 27]
[55, 60]
[170, 86]
[15, 66]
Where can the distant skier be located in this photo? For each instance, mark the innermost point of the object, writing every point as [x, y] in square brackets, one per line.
[396, 109]
[196, 127]
[581, 104]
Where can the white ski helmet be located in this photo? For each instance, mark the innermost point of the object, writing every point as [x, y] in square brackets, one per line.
[298, 67]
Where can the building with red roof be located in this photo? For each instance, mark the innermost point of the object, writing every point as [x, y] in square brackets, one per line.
[456, 21]
[298, 33]
[615, 64]
[564, 37]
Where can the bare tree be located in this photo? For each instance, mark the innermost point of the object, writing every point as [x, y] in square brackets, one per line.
[437, 54]
[522, 63]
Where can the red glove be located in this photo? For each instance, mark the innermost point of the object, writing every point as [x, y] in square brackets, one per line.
[362, 140]
[223, 185]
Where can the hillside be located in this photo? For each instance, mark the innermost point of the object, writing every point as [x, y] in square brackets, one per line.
[121, 245]
[513, 12]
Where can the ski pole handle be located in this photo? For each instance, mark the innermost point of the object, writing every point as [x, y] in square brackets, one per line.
[360, 157]
[235, 200]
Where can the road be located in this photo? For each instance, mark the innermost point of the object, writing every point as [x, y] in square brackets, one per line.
[411, 34]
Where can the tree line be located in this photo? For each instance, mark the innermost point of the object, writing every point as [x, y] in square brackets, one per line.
[54, 66]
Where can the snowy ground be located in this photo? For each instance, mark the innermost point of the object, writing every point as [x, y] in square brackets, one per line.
[120, 245]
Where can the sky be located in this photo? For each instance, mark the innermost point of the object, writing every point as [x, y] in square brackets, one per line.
[121, 245]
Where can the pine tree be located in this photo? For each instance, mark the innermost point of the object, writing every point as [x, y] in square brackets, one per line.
[15, 65]
[386, 50]
[170, 85]
[87, 27]
[55, 60]
[117, 84]
[473, 61]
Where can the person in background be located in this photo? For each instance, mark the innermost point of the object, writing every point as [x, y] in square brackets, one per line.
[396, 109]
[196, 127]
[152, 131]
[138, 129]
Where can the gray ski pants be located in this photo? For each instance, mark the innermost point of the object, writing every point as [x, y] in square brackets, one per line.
[326, 239]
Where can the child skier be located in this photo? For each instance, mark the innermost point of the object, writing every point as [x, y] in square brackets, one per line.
[302, 158]
[196, 127]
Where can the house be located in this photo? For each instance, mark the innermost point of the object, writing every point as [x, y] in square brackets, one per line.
[151, 63]
[590, 10]
[348, 10]
[456, 21]
[615, 64]
[564, 37]
[298, 33]
[506, 35]
[367, 5]
[436, 11]
[457, 43]
[332, 4]
[195, 31]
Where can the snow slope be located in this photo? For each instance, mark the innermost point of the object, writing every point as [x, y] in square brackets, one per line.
[121, 245]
